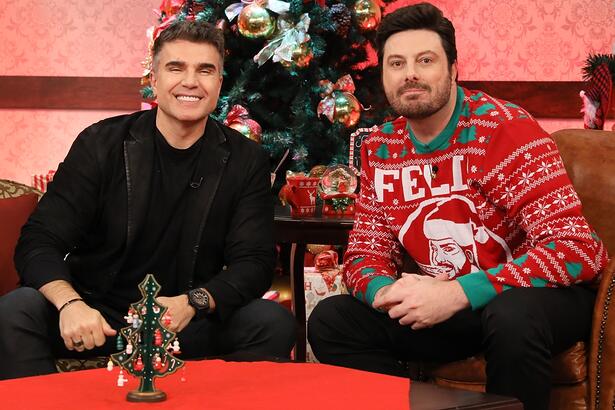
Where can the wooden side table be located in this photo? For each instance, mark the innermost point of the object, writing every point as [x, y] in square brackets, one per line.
[299, 232]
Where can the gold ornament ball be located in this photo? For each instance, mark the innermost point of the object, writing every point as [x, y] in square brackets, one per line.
[317, 171]
[243, 128]
[255, 22]
[367, 14]
[301, 56]
[315, 249]
[347, 108]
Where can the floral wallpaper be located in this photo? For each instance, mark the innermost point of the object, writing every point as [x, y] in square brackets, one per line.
[35, 141]
[102, 38]
[527, 40]
[518, 40]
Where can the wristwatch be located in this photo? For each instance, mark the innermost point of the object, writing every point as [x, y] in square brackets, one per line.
[198, 298]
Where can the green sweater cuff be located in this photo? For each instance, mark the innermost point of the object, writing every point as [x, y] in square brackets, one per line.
[374, 285]
[477, 288]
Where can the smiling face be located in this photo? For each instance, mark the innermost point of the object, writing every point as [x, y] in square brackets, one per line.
[187, 78]
[416, 75]
[449, 255]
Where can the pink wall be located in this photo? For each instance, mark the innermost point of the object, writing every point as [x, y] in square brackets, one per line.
[103, 38]
[497, 40]
[529, 40]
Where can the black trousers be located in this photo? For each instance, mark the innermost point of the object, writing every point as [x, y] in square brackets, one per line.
[518, 331]
[30, 336]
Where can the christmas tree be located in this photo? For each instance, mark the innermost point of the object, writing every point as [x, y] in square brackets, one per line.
[147, 342]
[298, 75]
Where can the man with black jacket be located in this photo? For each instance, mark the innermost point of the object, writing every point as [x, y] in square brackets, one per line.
[170, 192]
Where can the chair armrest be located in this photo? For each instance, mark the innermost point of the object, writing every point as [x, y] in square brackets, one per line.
[12, 189]
[602, 344]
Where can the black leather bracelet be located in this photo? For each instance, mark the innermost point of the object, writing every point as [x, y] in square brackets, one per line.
[68, 303]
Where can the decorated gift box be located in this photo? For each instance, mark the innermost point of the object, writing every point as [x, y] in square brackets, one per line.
[40, 181]
[320, 282]
[338, 204]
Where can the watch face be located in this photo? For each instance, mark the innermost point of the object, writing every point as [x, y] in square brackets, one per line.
[199, 298]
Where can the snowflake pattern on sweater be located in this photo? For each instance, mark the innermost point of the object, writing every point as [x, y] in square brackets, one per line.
[487, 203]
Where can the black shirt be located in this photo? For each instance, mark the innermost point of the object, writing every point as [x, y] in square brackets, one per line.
[156, 244]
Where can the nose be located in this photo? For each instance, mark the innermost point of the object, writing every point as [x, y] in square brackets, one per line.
[411, 74]
[189, 79]
[436, 254]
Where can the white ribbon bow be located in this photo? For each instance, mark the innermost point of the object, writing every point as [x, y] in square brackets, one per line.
[276, 6]
[282, 46]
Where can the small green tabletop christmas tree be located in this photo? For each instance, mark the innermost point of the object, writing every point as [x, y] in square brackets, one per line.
[147, 342]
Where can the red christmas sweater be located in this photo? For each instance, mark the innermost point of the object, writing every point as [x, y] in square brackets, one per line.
[487, 203]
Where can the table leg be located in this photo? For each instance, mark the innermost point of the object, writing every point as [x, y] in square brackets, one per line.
[297, 255]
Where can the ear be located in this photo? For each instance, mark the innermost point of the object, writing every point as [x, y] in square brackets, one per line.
[219, 87]
[469, 256]
[454, 72]
[153, 80]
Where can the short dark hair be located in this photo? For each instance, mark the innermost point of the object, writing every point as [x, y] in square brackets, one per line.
[422, 16]
[194, 31]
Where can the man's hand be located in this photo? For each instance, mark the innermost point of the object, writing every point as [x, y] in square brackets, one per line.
[179, 309]
[405, 281]
[82, 327]
[424, 302]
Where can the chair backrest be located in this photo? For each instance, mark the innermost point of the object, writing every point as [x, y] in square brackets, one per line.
[589, 158]
[16, 203]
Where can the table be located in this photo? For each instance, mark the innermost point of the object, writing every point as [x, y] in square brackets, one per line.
[300, 232]
[215, 384]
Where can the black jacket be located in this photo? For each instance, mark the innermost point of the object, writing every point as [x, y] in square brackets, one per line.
[97, 203]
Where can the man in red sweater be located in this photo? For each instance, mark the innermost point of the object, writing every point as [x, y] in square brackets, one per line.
[475, 192]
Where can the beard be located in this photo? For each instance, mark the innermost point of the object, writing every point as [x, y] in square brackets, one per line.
[415, 109]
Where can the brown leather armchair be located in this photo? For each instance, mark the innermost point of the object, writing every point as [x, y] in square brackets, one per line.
[584, 375]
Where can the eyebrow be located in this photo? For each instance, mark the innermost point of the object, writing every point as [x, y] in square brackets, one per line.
[418, 54]
[175, 63]
[394, 56]
[204, 66]
[201, 66]
[427, 52]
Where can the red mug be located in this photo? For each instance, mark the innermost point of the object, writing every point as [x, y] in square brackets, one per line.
[300, 193]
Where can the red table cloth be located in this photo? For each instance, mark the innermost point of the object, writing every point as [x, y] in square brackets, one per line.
[215, 384]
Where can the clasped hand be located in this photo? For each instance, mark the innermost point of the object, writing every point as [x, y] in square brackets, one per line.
[83, 328]
[180, 311]
[421, 301]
